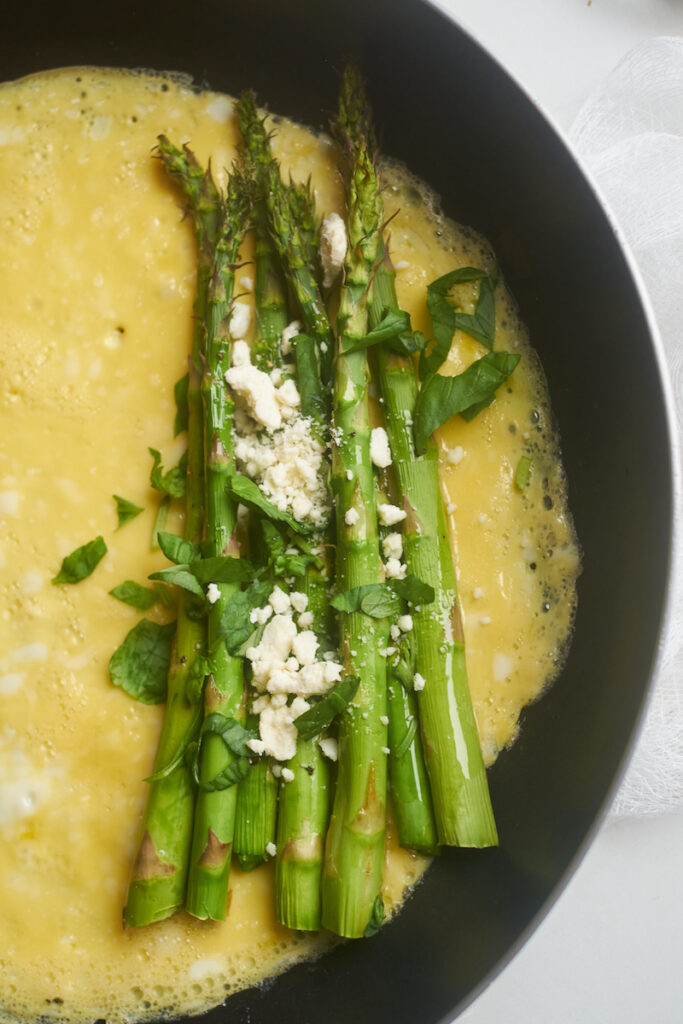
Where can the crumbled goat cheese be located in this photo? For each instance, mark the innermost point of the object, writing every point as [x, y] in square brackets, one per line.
[304, 646]
[385, 750]
[332, 247]
[455, 455]
[418, 682]
[212, 593]
[258, 746]
[259, 704]
[395, 632]
[401, 265]
[384, 719]
[351, 517]
[485, 620]
[502, 667]
[380, 452]
[328, 745]
[477, 593]
[277, 729]
[451, 507]
[287, 467]
[240, 320]
[257, 391]
[247, 283]
[276, 375]
[349, 474]
[279, 601]
[389, 515]
[299, 601]
[288, 775]
[259, 616]
[275, 771]
[395, 569]
[305, 620]
[392, 545]
[290, 331]
[405, 623]
[271, 849]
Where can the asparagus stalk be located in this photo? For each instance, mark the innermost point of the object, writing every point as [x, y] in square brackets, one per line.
[215, 808]
[449, 730]
[355, 842]
[304, 803]
[158, 880]
[256, 815]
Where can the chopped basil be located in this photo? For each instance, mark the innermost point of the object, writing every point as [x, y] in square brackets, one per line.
[179, 576]
[222, 569]
[321, 715]
[81, 562]
[172, 482]
[393, 325]
[249, 494]
[134, 594]
[468, 393]
[140, 665]
[176, 549]
[446, 320]
[413, 590]
[235, 626]
[235, 738]
[182, 412]
[522, 472]
[125, 510]
[384, 600]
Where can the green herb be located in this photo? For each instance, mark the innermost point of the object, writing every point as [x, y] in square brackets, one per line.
[200, 668]
[376, 918]
[231, 775]
[125, 510]
[179, 576]
[235, 737]
[308, 377]
[134, 594]
[468, 393]
[81, 562]
[172, 482]
[140, 665]
[413, 590]
[222, 569]
[249, 494]
[321, 715]
[393, 324]
[235, 626]
[446, 320]
[522, 472]
[160, 520]
[182, 412]
[176, 549]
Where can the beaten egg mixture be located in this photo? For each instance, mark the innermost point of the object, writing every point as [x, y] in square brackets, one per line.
[97, 286]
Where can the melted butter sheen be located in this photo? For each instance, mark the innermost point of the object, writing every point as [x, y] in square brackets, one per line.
[98, 278]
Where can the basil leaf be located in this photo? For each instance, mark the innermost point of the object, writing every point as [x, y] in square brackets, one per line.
[321, 715]
[235, 627]
[249, 494]
[468, 393]
[200, 668]
[176, 549]
[182, 412]
[408, 343]
[381, 604]
[394, 322]
[407, 740]
[413, 590]
[222, 569]
[522, 472]
[172, 482]
[481, 325]
[231, 775]
[376, 918]
[81, 562]
[232, 732]
[134, 594]
[446, 320]
[179, 576]
[140, 665]
[350, 600]
[125, 510]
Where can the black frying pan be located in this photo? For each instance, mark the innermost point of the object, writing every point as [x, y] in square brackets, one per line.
[459, 122]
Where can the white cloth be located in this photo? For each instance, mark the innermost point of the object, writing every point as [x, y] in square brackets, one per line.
[629, 134]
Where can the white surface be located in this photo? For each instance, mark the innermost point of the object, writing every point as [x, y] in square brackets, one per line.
[612, 947]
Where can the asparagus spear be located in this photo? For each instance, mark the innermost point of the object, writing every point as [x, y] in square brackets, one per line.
[158, 881]
[305, 801]
[449, 730]
[256, 814]
[215, 807]
[355, 842]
